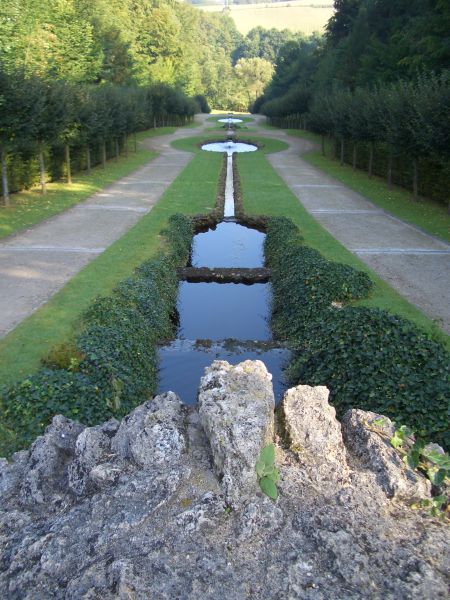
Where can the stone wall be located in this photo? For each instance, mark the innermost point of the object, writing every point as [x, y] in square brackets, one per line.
[166, 504]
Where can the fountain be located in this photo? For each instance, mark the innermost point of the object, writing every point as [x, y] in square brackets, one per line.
[230, 121]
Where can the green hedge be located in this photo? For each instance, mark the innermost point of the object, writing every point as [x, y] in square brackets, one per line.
[367, 357]
[114, 364]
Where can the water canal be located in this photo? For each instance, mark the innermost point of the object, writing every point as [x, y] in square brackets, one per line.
[222, 321]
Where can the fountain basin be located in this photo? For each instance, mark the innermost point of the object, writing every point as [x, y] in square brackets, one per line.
[229, 120]
[229, 147]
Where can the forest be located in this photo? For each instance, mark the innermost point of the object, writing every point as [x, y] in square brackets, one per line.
[377, 84]
[77, 77]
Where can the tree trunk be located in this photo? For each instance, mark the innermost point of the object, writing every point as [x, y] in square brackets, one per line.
[125, 144]
[42, 170]
[116, 144]
[389, 169]
[154, 122]
[323, 145]
[88, 160]
[354, 156]
[370, 166]
[415, 181]
[342, 151]
[103, 150]
[5, 188]
[135, 141]
[68, 169]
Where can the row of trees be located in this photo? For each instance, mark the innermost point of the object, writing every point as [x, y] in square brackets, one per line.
[404, 119]
[37, 114]
[407, 123]
[379, 83]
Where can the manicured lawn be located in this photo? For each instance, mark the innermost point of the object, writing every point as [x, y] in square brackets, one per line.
[192, 192]
[193, 144]
[429, 215]
[30, 207]
[264, 192]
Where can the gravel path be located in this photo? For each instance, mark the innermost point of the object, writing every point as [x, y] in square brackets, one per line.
[413, 262]
[37, 262]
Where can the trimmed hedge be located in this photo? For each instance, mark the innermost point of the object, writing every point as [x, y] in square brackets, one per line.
[367, 357]
[114, 364]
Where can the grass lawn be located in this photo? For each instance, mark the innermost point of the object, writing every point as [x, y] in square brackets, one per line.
[193, 144]
[429, 215]
[265, 193]
[30, 207]
[22, 349]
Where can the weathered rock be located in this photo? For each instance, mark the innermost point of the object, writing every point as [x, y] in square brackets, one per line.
[135, 528]
[367, 436]
[313, 431]
[92, 447]
[236, 407]
[46, 479]
[153, 432]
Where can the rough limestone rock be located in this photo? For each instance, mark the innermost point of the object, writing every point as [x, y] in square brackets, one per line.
[46, 478]
[136, 510]
[314, 432]
[236, 407]
[367, 437]
[152, 433]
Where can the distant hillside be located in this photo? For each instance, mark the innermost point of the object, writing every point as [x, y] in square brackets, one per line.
[298, 15]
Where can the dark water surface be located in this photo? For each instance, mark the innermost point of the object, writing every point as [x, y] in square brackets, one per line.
[182, 363]
[218, 311]
[229, 245]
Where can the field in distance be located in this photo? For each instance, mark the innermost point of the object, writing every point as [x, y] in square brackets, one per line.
[306, 16]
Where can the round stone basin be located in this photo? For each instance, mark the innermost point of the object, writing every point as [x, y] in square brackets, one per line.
[229, 147]
[229, 120]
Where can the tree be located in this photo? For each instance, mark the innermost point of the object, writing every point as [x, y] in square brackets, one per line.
[253, 74]
[340, 24]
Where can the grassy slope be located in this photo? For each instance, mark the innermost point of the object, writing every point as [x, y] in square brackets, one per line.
[430, 216]
[193, 191]
[265, 193]
[31, 207]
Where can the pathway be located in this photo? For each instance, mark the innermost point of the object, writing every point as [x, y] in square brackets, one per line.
[413, 262]
[37, 262]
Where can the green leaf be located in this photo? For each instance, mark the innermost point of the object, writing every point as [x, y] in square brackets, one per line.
[439, 501]
[411, 459]
[436, 477]
[268, 487]
[441, 460]
[273, 474]
[397, 440]
[268, 454]
[260, 468]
